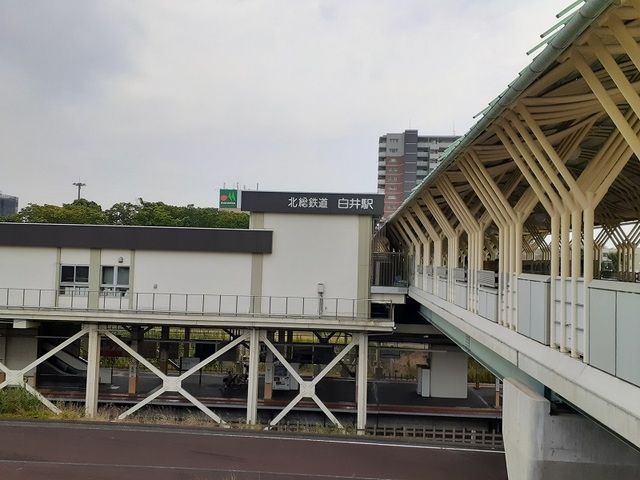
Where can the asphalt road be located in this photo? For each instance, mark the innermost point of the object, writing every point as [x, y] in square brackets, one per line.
[70, 451]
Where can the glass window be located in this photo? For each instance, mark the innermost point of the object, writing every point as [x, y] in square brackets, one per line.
[115, 281]
[74, 279]
[107, 275]
[67, 274]
[82, 274]
[123, 276]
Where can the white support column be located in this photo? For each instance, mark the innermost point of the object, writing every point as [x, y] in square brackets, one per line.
[252, 387]
[361, 383]
[588, 270]
[565, 259]
[576, 250]
[555, 264]
[308, 388]
[93, 372]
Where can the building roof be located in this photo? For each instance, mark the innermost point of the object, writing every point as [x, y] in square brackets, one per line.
[557, 43]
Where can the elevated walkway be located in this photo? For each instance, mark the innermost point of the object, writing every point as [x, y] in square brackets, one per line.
[610, 401]
[197, 310]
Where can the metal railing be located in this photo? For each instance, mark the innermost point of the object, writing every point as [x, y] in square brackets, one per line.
[460, 274]
[188, 303]
[488, 278]
[442, 272]
[390, 269]
[445, 436]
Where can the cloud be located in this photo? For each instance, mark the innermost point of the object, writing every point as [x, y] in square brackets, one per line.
[169, 100]
[63, 48]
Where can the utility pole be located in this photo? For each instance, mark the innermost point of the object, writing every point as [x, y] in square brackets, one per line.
[79, 184]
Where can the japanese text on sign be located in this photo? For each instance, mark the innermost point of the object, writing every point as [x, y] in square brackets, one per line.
[343, 203]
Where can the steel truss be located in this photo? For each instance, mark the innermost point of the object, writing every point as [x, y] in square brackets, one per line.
[251, 338]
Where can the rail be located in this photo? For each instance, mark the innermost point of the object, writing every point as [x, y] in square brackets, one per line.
[188, 303]
[444, 436]
[390, 269]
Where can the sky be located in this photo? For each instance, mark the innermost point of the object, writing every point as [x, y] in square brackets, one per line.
[171, 100]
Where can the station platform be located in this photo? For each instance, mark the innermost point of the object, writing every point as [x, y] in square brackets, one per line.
[388, 396]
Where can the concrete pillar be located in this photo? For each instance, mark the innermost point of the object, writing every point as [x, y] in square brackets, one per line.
[361, 383]
[93, 372]
[449, 373]
[268, 376]
[252, 387]
[21, 348]
[569, 446]
[133, 363]
[164, 350]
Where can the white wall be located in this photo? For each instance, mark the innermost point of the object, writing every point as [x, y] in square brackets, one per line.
[193, 273]
[74, 256]
[311, 249]
[28, 267]
[111, 257]
[449, 374]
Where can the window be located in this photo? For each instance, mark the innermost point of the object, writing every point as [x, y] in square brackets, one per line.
[115, 281]
[74, 279]
[393, 150]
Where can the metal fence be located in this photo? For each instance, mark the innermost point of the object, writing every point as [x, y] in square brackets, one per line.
[390, 269]
[478, 438]
[185, 303]
[447, 436]
[488, 278]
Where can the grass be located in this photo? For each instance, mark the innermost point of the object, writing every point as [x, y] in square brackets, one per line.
[18, 404]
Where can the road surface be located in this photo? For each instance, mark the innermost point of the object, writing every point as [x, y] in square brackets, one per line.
[92, 451]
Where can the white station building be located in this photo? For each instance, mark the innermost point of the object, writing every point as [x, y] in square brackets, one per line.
[303, 265]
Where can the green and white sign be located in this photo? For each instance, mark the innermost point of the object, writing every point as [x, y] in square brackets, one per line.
[228, 198]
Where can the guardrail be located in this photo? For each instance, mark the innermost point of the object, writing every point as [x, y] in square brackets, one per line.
[488, 278]
[460, 274]
[442, 272]
[446, 436]
[443, 436]
[390, 269]
[187, 303]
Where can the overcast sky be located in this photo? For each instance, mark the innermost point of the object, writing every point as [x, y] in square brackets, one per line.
[169, 100]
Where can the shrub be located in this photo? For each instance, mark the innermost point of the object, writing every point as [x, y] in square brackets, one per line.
[18, 402]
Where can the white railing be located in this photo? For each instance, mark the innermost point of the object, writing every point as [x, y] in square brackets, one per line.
[614, 328]
[188, 303]
[598, 324]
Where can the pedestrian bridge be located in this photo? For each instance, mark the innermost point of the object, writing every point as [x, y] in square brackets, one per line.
[520, 247]
[522, 244]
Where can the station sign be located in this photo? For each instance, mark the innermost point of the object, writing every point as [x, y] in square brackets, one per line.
[313, 202]
[228, 198]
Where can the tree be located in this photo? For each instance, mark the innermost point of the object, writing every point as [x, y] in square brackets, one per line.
[124, 213]
[80, 211]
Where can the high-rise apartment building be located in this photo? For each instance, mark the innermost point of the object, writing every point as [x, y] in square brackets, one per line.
[404, 160]
[8, 205]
